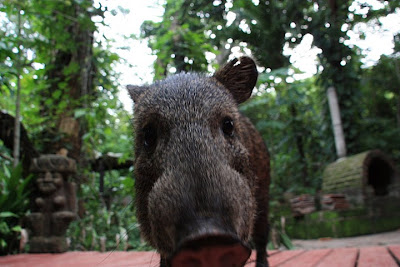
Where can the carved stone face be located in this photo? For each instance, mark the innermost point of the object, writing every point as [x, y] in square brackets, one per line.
[49, 182]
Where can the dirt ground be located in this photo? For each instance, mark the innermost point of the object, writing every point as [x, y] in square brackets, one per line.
[381, 239]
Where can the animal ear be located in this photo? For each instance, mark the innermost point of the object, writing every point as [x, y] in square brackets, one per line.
[135, 91]
[239, 77]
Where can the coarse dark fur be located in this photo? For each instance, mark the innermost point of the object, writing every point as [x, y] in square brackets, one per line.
[199, 160]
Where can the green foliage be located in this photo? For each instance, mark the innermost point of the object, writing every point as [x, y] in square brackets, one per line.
[49, 84]
[68, 74]
[5, 229]
[292, 115]
[14, 194]
[344, 223]
[266, 28]
[341, 64]
[278, 235]
[112, 135]
[64, 69]
[288, 115]
[380, 126]
[14, 200]
[182, 38]
[107, 216]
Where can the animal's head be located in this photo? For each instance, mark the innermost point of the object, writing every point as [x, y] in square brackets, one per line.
[194, 187]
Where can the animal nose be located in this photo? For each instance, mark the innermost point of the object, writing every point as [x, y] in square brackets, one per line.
[220, 250]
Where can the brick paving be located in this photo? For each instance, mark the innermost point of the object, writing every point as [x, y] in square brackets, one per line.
[382, 256]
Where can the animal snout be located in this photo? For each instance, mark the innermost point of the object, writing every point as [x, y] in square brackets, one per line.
[211, 250]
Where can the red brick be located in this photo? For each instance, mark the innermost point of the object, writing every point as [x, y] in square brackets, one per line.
[370, 256]
[395, 250]
[375, 256]
[283, 256]
[340, 257]
[308, 258]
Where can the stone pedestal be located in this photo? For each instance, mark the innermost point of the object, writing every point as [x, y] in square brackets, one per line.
[54, 204]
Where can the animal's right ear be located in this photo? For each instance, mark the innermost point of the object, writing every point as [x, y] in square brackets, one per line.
[239, 77]
[135, 91]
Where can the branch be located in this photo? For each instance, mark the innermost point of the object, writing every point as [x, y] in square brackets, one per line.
[110, 162]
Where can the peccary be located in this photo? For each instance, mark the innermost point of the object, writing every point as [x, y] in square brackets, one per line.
[201, 168]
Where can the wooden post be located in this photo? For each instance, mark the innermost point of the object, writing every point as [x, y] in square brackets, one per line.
[336, 123]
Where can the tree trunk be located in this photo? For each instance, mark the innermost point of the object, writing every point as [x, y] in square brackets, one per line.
[336, 123]
[397, 72]
[66, 133]
[26, 150]
[300, 145]
[17, 130]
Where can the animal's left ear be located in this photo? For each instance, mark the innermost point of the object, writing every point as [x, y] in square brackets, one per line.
[239, 77]
[135, 91]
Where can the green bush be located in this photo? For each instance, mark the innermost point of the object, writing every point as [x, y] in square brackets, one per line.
[14, 200]
[107, 216]
[278, 236]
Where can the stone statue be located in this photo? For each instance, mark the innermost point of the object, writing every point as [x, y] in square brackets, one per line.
[54, 205]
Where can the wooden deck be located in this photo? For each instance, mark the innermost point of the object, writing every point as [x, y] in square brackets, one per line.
[341, 257]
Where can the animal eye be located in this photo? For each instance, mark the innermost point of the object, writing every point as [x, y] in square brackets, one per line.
[227, 126]
[149, 136]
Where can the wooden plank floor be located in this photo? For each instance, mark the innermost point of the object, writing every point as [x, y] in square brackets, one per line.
[340, 257]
